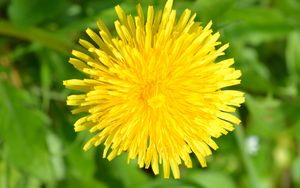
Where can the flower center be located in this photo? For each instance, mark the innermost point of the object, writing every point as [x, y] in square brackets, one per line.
[152, 95]
[156, 101]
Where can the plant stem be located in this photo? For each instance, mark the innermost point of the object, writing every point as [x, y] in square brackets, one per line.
[46, 38]
[5, 169]
[247, 162]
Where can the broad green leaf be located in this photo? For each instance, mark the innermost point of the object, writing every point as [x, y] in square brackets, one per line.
[266, 116]
[81, 164]
[10, 176]
[81, 168]
[290, 8]
[123, 174]
[210, 179]
[256, 24]
[72, 182]
[22, 130]
[212, 10]
[164, 183]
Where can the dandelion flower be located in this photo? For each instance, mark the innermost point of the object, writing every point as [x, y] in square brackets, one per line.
[155, 91]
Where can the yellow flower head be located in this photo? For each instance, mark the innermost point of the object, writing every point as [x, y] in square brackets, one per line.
[154, 91]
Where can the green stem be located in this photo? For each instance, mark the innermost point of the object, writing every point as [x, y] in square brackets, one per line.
[46, 38]
[247, 162]
[5, 177]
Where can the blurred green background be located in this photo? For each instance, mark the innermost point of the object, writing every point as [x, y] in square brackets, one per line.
[38, 147]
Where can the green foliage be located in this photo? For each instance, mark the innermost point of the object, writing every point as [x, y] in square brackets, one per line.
[211, 179]
[34, 11]
[23, 130]
[38, 147]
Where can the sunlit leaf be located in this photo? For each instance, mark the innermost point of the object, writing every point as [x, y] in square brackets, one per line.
[22, 130]
[211, 179]
[266, 116]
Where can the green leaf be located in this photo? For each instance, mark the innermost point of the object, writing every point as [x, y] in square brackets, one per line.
[266, 116]
[22, 128]
[81, 168]
[291, 111]
[56, 151]
[121, 173]
[210, 179]
[290, 8]
[293, 56]
[163, 183]
[130, 174]
[296, 171]
[255, 75]
[71, 183]
[10, 176]
[25, 13]
[94, 7]
[256, 24]
[213, 9]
